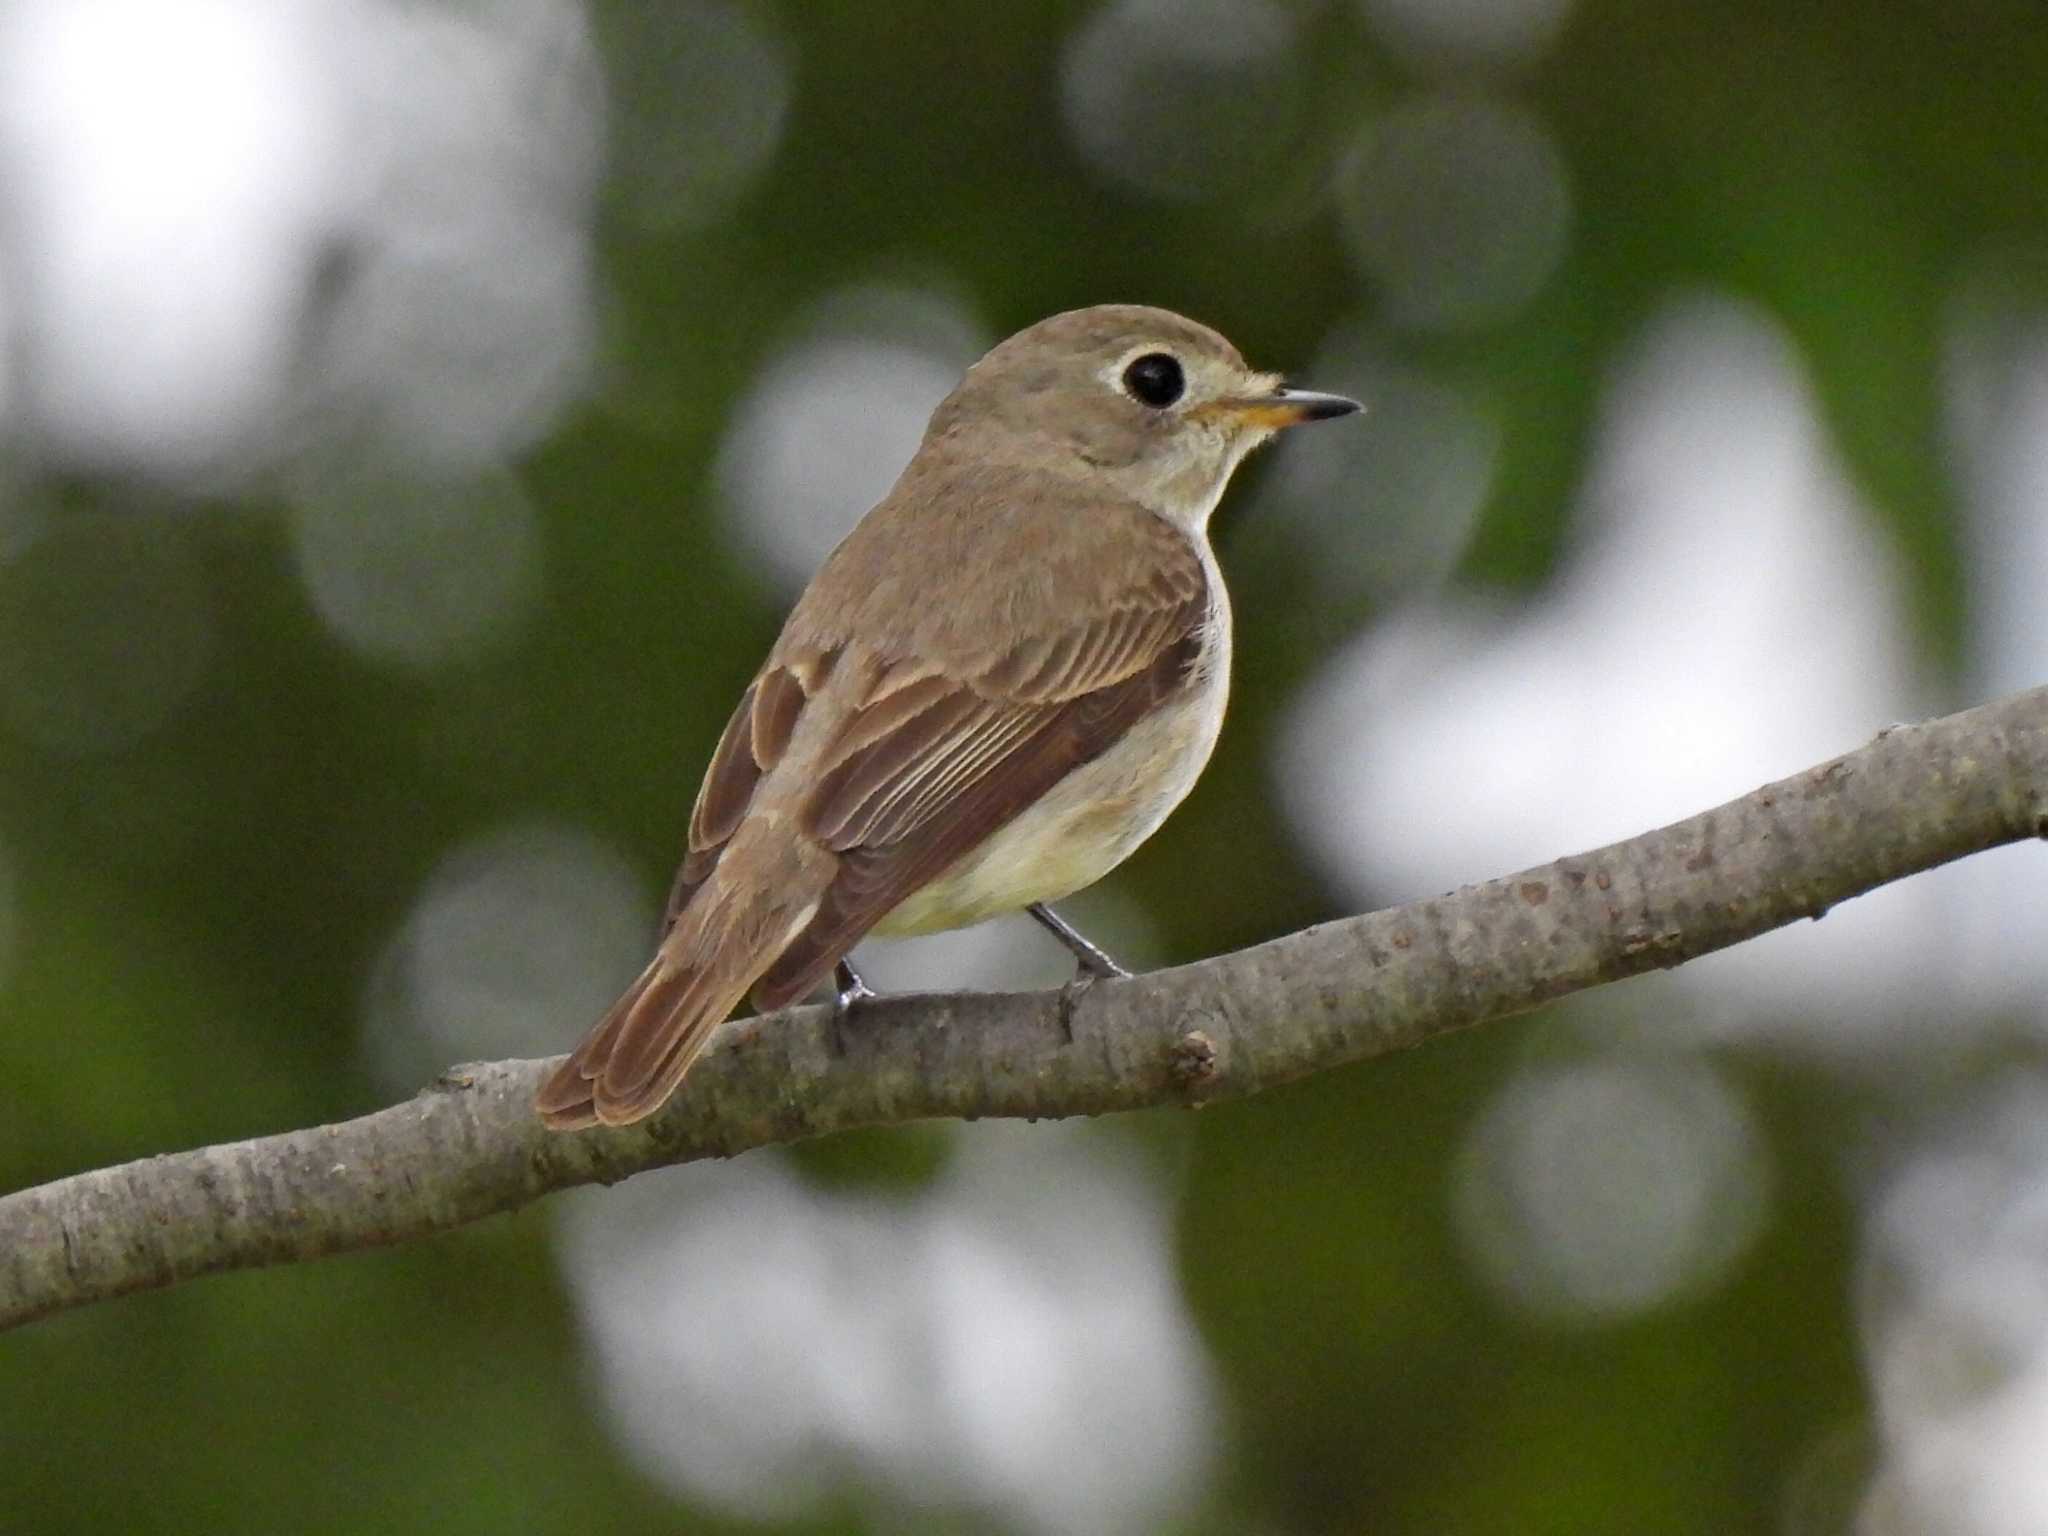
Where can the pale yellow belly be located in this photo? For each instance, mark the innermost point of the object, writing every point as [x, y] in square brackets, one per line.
[1089, 822]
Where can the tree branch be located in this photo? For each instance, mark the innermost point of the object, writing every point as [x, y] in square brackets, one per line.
[470, 1146]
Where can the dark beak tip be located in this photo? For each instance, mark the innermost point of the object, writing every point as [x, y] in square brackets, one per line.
[1316, 406]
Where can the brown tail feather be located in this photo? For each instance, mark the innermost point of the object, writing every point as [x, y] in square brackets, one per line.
[667, 1015]
[662, 1034]
[565, 1100]
[634, 1059]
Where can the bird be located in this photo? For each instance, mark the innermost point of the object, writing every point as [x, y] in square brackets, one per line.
[996, 687]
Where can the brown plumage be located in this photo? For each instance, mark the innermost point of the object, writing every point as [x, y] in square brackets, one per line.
[1033, 595]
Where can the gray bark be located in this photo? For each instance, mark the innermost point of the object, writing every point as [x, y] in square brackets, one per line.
[470, 1145]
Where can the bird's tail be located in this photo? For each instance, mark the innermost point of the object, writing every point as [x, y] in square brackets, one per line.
[628, 1066]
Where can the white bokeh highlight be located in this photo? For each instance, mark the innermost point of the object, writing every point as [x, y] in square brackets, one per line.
[1184, 99]
[832, 419]
[169, 174]
[10, 402]
[1955, 1320]
[515, 946]
[1954, 1313]
[1600, 1189]
[1730, 614]
[456, 319]
[1009, 1343]
[1457, 208]
[247, 234]
[1997, 394]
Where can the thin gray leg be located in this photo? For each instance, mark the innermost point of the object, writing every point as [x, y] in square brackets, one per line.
[1093, 960]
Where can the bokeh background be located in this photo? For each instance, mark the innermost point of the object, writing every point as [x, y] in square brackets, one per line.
[416, 416]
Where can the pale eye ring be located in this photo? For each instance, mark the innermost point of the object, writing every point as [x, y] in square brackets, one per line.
[1155, 380]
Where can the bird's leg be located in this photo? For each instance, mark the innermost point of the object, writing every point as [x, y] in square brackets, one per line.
[851, 988]
[852, 992]
[1091, 962]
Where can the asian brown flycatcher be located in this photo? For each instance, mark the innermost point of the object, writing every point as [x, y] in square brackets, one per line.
[995, 688]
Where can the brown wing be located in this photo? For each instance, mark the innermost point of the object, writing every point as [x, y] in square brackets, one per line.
[916, 776]
[929, 766]
[921, 739]
[755, 738]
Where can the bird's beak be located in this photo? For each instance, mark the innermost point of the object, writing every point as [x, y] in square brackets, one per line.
[1284, 408]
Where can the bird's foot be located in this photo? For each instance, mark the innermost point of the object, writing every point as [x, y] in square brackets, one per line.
[851, 994]
[1092, 963]
[1070, 999]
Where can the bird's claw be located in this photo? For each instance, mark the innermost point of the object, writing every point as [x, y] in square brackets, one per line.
[1086, 973]
[847, 998]
[1097, 967]
[851, 994]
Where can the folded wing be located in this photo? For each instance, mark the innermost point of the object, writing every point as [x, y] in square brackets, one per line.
[920, 761]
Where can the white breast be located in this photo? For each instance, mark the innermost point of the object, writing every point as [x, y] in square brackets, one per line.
[1093, 818]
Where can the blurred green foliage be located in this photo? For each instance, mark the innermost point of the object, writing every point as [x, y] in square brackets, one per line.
[198, 913]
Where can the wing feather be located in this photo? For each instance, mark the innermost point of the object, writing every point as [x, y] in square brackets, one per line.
[973, 781]
[754, 741]
[927, 762]
[919, 739]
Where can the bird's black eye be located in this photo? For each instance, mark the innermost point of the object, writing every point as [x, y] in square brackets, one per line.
[1155, 379]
